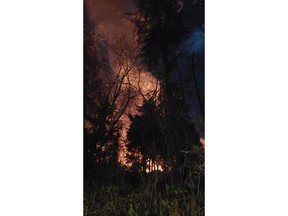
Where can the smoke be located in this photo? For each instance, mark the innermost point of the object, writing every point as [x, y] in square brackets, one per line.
[111, 16]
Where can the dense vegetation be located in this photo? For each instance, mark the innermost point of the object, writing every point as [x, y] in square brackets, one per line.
[157, 167]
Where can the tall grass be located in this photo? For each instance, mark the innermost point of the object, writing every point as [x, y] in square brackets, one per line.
[151, 194]
[121, 200]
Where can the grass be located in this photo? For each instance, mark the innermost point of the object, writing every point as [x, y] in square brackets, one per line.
[121, 200]
[134, 193]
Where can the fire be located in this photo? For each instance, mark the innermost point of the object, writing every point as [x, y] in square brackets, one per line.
[202, 142]
[154, 166]
[136, 83]
[145, 86]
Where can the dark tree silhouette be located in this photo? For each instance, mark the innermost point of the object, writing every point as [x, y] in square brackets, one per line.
[158, 29]
[107, 94]
[165, 130]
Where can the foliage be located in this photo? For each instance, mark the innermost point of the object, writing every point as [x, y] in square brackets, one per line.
[119, 200]
[160, 138]
[158, 30]
[107, 94]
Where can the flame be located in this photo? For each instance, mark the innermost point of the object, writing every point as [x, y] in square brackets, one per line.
[146, 86]
[202, 141]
